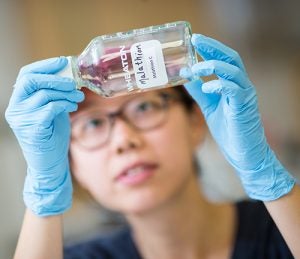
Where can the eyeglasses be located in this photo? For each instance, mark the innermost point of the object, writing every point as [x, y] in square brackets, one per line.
[93, 128]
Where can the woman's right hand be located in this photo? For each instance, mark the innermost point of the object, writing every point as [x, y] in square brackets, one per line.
[38, 115]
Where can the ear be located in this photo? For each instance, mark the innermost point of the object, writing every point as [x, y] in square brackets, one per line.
[198, 125]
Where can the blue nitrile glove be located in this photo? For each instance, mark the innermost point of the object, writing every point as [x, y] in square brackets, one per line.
[38, 115]
[229, 105]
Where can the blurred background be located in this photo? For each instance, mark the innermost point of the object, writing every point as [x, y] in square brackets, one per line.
[266, 33]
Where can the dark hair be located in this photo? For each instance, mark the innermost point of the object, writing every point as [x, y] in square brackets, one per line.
[189, 103]
[186, 99]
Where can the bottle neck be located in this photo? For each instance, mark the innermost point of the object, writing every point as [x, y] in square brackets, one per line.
[81, 79]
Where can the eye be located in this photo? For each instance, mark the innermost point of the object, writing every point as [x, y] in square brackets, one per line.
[95, 123]
[147, 107]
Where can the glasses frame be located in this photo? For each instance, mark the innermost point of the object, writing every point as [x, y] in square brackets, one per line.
[168, 98]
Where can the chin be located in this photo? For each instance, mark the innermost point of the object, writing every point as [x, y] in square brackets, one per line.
[144, 200]
[143, 204]
[139, 211]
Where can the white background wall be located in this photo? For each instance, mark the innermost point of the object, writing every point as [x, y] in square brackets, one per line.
[12, 55]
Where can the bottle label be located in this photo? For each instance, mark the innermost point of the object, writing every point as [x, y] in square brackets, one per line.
[148, 64]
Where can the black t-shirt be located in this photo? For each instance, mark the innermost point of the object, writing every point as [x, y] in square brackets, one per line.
[257, 237]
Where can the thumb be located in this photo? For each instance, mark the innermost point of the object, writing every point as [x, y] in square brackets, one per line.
[206, 101]
[46, 66]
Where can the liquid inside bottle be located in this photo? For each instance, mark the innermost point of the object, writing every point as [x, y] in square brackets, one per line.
[134, 61]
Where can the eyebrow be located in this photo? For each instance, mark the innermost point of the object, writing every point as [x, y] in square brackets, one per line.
[94, 105]
[88, 104]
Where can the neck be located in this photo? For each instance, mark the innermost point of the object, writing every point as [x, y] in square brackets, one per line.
[187, 227]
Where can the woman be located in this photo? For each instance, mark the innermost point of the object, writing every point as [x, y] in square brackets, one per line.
[135, 155]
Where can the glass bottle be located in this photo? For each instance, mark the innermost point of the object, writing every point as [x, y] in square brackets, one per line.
[134, 61]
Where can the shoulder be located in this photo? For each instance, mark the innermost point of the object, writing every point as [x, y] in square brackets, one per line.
[116, 245]
[257, 236]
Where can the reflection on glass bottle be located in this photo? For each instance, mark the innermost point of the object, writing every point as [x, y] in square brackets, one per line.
[134, 61]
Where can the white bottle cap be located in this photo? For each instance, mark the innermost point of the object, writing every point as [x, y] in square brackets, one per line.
[67, 70]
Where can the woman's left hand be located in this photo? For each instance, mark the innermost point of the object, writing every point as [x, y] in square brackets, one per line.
[229, 105]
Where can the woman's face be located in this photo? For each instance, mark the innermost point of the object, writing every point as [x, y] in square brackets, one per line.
[137, 170]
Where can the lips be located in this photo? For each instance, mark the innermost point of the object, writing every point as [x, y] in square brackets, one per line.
[137, 173]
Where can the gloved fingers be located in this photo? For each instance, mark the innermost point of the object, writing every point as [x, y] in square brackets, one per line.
[207, 102]
[44, 96]
[51, 110]
[43, 115]
[234, 94]
[222, 70]
[47, 66]
[31, 83]
[209, 49]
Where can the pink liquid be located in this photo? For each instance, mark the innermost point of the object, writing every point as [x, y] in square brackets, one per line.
[109, 76]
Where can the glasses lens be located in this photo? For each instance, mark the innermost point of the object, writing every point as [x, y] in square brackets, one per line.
[146, 113]
[92, 129]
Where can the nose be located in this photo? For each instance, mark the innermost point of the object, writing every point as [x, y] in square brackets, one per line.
[125, 138]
